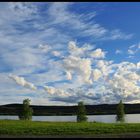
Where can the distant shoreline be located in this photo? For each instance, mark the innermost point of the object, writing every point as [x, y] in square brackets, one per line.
[102, 109]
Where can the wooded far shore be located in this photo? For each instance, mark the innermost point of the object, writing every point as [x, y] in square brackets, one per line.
[102, 109]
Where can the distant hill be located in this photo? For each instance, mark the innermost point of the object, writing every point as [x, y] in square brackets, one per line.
[13, 109]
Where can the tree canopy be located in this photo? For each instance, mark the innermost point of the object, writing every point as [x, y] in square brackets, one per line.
[26, 112]
[120, 112]
[81, 112]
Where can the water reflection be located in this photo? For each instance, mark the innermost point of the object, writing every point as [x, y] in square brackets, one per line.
[129, 118]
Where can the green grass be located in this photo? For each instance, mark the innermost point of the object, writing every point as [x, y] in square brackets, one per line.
[18, 127]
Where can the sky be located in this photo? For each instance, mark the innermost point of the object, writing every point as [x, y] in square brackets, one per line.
[60, 53]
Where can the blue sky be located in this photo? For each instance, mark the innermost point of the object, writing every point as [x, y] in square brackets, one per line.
[59, 53]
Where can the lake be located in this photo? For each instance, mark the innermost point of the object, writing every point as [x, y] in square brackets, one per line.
[129, 118]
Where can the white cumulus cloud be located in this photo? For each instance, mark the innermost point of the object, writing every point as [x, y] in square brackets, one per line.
[56, 91]
[98, 53]
[79, 66]
[76, 51]
[96, 74]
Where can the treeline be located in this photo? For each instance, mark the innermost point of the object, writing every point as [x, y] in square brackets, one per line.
[26, 112]
[13, 109]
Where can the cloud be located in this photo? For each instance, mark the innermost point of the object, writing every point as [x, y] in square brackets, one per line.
[22, 10]
[110, 81]
[131, 52]
[118, 52]
[44, 48]
[96, 74]
[50, 90]
[56, 53]
[104, 66]
[132, 46]
[117, 34]
[133, 76]
[124, 83]
[133, 49]
[124, 87]
[61, 14]
[98, 53]
[69, 76]
[78, 66]
[76, 51]
[31, 44]
[79, 63]
[24, 60]
[55, 91]
[21, 81]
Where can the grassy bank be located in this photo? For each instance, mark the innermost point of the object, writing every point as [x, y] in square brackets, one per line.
[17, 128]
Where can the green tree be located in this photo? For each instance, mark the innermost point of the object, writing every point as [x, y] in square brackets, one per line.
[81, 112]
[26, 112]
[120, 112]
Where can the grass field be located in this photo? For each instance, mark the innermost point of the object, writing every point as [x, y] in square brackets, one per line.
[32, 128]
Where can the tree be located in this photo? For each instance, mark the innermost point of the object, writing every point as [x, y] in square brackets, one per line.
[81, 112]
[120, 112]
[26, 112]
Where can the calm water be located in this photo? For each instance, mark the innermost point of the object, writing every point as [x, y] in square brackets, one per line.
[129, 118]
